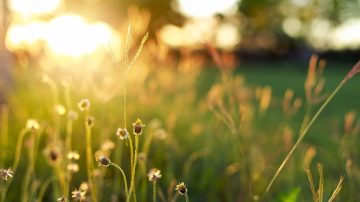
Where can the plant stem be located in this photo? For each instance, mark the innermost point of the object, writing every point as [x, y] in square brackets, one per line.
[43, 188]
[154, 191]
[303, 133]
[186, 197]
[89, 161]
[124, 177]
[4, 121]
[132, 183]
[16, 161]
[29, 170]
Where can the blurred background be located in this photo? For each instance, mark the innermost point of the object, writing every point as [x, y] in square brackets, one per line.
[265, 29]
[223, 86]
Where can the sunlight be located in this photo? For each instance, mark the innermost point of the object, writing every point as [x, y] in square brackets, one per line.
[206, 8]
[347, 35]
[71, 35]
[25, 36]
[67, 35]
[31, 7]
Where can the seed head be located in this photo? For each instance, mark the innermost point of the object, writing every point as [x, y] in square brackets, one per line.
[103, 161]
[137, 127]
[32, 124]
[89, 121]
[84, 105]
[60, 109]
[122, 133]
[73, 167]
[6, 173]
[78, 195]
[154, 174]
[53, 154]
[84, 186]
[181, 188]
[73, 155]
[72, 115]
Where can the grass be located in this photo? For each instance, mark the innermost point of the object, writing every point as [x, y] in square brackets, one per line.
[224, 133]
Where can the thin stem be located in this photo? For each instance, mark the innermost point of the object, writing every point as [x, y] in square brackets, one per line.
[131, 154]
[90, 162]
[43, 188]
[29, 170]
[16, 161]
[4, 121]
[132, 183]
[124, 91]
[303, 133]
[124, 177]
[186, 197]
[154, 191]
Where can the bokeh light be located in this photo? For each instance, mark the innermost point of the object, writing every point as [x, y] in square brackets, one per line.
[68, 35]
[206, 8]
[31, 7]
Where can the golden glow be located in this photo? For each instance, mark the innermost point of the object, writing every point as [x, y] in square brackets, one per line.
[206, 8]
[25, 36]
[67, 35]
[292, 26]
[227, 36]
[347, 35]
[31, 7]
[71, 35]
[193, 33]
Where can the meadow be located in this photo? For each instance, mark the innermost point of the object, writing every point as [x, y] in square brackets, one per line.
[223, 128]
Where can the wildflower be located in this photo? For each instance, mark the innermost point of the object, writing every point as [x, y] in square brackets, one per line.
[73, 155]
[181, 188]
[73, 167]
[6, 173]
[122, 133]
[61, 199]
[154, 174]
[60, 109]
[84, 186]
[84, 105]
[72, 115]
[79, 195]
[32, 124]
[138, 126]
[103, 161]
[89, 121]
[53, 154]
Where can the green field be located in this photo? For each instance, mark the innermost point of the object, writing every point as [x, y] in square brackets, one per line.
[204, 126]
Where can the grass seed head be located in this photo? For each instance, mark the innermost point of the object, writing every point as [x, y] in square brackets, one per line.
[6, 173]
[122, 133]
[32, 124]
[181, 188]
[73, 155]
[103, 161]
[84, 105]
[138, 127]
[72, 115]
[73, 167]
[90, 121]
[154, 174]
[78, 194]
